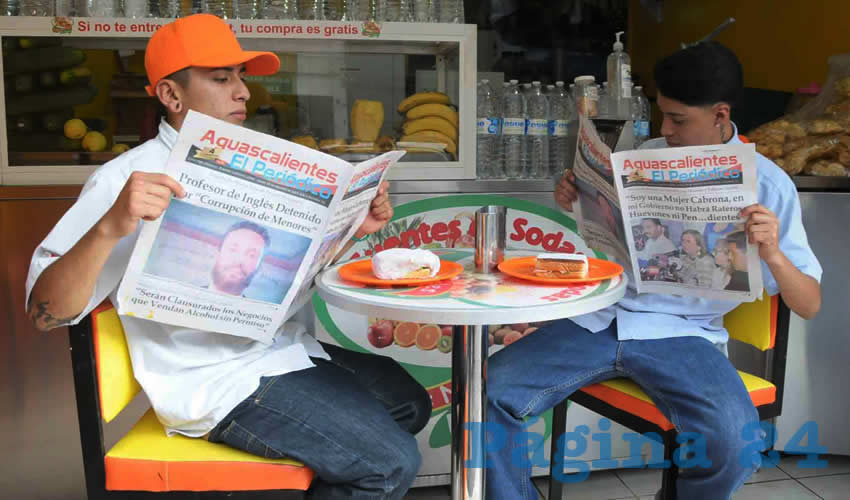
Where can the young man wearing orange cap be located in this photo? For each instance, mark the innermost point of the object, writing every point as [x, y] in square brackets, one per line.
[348, 416]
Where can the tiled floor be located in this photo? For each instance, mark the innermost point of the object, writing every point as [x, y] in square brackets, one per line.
[787, 481]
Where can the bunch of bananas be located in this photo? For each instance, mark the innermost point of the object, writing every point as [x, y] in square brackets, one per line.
[430, 119]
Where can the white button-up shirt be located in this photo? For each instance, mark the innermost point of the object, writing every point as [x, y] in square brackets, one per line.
[192, 378]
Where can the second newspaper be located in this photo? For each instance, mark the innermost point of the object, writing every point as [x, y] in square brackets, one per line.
[261, 217]
[671, 216]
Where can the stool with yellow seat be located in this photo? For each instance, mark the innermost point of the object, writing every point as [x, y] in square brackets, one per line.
[762, 324]
[145, 460]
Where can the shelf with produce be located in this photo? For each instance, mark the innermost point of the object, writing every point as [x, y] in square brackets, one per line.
[318, 63]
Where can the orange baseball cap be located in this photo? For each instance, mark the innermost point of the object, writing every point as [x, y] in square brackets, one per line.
[204, 41]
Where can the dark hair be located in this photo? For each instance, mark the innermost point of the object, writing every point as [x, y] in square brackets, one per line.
[654, 220]
[697, 236]
[251, 227]
[739, 239]
[180, 76]
[701, 75]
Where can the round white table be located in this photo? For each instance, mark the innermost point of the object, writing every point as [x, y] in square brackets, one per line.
[470, 302]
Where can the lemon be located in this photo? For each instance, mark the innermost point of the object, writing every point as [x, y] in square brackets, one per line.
[94, 141]
[75, 128]
[120, 148]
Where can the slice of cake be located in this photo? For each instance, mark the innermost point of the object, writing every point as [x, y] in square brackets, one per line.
[405, 263]
[561, 265]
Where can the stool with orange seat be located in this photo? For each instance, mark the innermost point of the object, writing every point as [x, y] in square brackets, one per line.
[763, 324]
[145, 461]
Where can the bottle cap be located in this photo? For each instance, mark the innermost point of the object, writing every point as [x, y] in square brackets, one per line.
[585, 79]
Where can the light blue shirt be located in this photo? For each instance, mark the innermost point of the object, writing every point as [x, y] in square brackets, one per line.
[655, 316]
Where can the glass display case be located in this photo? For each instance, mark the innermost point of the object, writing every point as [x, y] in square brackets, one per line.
[73, 93]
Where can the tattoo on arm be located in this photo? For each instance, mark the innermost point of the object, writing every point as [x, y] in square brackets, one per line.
[42, 318]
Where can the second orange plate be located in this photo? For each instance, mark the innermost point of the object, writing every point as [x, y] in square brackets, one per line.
[360, 271]
[523, 268]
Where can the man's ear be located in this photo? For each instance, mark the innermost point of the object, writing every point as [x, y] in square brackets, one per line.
[722, 112]
[171, 95]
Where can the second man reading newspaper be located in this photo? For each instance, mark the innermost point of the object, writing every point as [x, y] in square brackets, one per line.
[670, 345]
[348, 416]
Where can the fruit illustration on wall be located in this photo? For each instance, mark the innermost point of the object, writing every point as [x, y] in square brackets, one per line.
[405, 333]
[429, 336]
[381, 333]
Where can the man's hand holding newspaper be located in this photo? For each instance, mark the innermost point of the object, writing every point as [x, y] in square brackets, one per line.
[380, 212]
[565, 191]
[145, 196]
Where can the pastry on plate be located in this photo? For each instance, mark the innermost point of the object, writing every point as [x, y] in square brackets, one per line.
[405, 263]
[561, 265]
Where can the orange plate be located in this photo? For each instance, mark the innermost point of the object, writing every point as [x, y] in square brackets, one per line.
[523, 268]
[361, 272]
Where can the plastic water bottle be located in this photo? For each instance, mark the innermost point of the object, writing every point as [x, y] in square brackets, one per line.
[36, 8]
[281, 9]
[218, 8]
[349, 10]
[604, 101]
[8, 7]
[406, 10]
[561, 113]
[135, 8]
[378, 10]
[619, 71]
[426, 11]
[247, 9]
[487, 165]
[640, 115]
[513, 131]
[102, 8]
[64, 8]
[451, 11]
[537, 127]
[311, 10]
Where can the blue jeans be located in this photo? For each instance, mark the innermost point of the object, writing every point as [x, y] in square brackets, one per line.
[689, 379]
[351, 420]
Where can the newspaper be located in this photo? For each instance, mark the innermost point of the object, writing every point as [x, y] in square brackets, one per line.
[261, 217]
[671, 216]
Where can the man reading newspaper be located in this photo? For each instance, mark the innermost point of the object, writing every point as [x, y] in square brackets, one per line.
[669, 344]
[348, 416]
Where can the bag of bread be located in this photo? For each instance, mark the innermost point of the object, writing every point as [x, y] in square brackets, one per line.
[815, 140]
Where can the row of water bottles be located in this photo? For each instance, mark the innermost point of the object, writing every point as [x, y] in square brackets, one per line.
[423, 11]
[112, 8]
[524, 135]
[446, 11]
